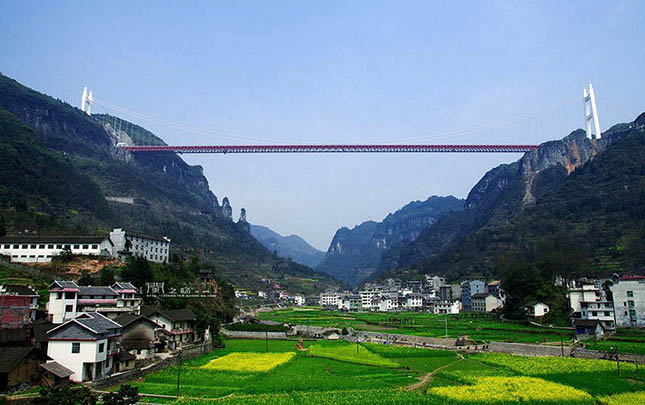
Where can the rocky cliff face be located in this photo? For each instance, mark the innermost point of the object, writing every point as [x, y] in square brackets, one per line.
[502, 194]
[354, 254]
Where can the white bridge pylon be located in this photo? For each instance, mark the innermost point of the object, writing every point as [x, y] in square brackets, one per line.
[591, 113]
[86, 101]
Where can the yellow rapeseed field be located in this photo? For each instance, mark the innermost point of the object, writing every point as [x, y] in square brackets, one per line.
[628, 398]
[509, 390]
[249, 362]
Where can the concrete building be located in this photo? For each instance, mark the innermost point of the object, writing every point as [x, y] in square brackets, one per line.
[629, 301]
[329, 299]
[468, 289]
[587, 302]
[349, 302]
[178, 324]
[154, 249]
[447, 307]
[138, 335]
[28, 300]
[63, 298]
[485, 302]
[602, 311]
[41, 249]
[434, 282]
[414, 301]
[366, 297]
[87, 345]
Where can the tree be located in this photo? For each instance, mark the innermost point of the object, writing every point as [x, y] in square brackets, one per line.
[85, 279]
[107, 276]
[3, 229]
[66, 395]
[126, 395]
[137, 271]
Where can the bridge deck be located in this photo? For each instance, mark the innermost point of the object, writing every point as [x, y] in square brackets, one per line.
[335, 148]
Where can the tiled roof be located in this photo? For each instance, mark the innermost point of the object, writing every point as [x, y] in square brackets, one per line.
[125, 356]
[40, 328]
[18, 290]
[10, 357]
[97, 322]
[177, 315]
[63, 284]
[54, 239]
[121, 285]
[481, 295]
[56, 369]
[87, 325]
[97, 290]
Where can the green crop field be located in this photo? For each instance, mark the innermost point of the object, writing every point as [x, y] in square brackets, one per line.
[335, 373]
[480, 327]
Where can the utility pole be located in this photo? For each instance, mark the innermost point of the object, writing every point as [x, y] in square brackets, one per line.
[562, 344]
[357, 345]
[446, 325]
[266, 340]
[179, 375]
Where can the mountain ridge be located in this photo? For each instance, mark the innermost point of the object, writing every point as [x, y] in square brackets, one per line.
[291, 247]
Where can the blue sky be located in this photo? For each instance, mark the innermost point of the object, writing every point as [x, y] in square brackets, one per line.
[335, 72]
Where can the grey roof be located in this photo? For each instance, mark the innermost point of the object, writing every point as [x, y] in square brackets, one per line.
[10, 357]
[126, 356]
[40, 328]
[89, 324]
[481, 295]
[126, 319]
[63, 284]
[143, 236]
[57, 369]
[586, 322]
[19, 290]
[54, 239]
[123, 285]
[97, 290]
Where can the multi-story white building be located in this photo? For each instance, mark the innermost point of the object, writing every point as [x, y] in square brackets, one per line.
[629, 301]
[67, 300]
[414, 301]
[85, 345]
[42, 249]
[366, 297]
[434, 282]
[153, 248]
[447, 307]
[389, 302]
[602, 311]
[587, 302]
[329, 299]
[586, 292]
[468, 289]
[349, 302]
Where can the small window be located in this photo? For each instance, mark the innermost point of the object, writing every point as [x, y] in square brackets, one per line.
[77, 246]
[76, 347]
[41, 246]
[34, 246]
[16, 246]
[101, 347]
[606, 313]
[631, 304]
[86, 247]
[95, 246]
[70, 295]
[632, 313]
[50, 246]
[25, 246]
[630, 293]
[68, 247]
[69, 308]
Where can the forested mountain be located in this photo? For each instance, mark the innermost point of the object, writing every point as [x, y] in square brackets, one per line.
[354, 255]
[586, 195]
[66, 176]
[289, 247]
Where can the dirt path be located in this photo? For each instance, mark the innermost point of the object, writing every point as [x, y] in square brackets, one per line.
[428, 377]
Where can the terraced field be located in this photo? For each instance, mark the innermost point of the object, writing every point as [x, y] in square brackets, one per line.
[481, 327]
[338, 373]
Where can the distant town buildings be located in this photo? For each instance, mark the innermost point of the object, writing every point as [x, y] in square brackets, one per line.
[468, 289]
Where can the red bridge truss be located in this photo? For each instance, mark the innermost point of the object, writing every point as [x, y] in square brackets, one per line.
[335, 148]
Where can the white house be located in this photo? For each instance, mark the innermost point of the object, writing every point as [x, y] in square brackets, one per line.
[178, 324]
[629, 301]
[86, 345]
[536, 309]
[366, 297]
[63, 298]
[298, 300]
[434, 282]
[349, 302]
[414, 301]
[447, 307]
[41, 249]
[153, 248]
[389, 302]
[329, 299]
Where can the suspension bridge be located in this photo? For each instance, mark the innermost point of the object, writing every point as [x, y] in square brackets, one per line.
[592, 128]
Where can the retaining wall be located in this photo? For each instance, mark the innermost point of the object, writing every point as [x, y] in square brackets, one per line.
[252, 335]
[525, 349]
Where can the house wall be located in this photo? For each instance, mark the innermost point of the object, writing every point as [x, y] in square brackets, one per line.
[27, 371]
[57, 307]
[630, 311]
[61, 352]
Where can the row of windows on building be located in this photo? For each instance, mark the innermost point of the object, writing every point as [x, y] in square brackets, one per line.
[76, 247]
[76, 347]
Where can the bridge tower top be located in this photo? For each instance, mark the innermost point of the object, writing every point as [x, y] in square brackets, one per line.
[591, 113]
[86, 101]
